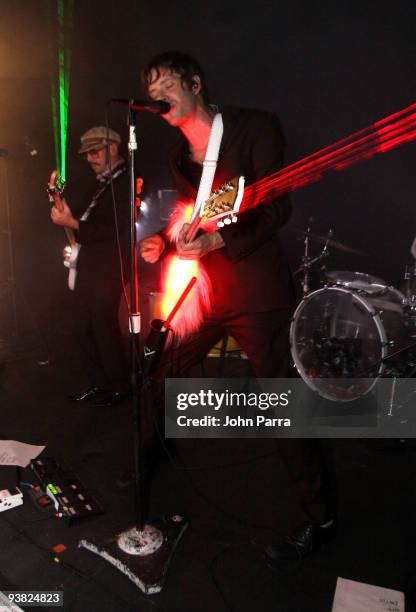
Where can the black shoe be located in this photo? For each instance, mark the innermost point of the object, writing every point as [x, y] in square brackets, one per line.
[86, 395]
[301, 544]
[110, 398]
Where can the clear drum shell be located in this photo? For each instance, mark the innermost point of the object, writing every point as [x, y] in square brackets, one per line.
[339, 337]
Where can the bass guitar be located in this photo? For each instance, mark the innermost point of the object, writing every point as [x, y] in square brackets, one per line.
[55, 191]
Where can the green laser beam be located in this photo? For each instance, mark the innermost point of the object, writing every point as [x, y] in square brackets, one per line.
[55, 128]
[60, 87]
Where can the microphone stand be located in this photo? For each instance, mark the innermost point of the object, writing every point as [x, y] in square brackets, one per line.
[134, 324]
[143, 551]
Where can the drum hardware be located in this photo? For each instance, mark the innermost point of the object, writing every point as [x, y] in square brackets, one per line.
[389, 358]
[409, 303]
[308, 262]
[392, 396]
[410, 280]
[339, 356]
[328, 240]
[398, 372]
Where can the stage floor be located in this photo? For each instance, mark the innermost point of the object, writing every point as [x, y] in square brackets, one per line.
[233, 492]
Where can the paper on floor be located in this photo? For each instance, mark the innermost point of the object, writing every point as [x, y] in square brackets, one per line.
[18, 453]
[352, 596]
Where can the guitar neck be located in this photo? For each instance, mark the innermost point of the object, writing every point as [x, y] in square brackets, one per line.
[70, 235]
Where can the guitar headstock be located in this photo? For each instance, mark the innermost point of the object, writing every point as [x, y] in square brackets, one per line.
[223, 204]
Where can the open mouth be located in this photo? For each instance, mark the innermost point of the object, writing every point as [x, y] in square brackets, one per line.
[171, 104]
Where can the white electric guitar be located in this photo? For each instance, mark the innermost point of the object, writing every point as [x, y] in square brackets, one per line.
[55, 190]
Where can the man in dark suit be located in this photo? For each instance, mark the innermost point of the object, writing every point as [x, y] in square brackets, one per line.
[102, 233]
[252, 290]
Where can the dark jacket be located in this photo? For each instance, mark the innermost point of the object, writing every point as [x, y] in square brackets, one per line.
[98, 260]
[250, 274]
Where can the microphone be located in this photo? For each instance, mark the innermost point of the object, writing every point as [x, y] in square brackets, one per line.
[158, 107]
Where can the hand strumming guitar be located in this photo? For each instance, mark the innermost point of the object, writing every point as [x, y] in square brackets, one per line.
[152, 247]
[208, 241]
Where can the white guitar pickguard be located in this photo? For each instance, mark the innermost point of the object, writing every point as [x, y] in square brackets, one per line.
[71, 264]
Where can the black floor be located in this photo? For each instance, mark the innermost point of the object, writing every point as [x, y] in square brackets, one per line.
[233, 492]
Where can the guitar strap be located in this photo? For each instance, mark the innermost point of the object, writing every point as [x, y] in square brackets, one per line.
[191, 313]
[99, 191]
[209, 164]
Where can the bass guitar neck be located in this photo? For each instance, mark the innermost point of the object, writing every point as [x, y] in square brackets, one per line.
[70, 236]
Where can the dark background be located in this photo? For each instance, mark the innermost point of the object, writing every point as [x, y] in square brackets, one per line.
[327, 69]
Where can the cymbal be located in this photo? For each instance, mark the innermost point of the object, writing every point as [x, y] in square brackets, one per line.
[340, 246]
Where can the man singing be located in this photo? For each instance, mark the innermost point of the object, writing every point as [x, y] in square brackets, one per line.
[252, 295]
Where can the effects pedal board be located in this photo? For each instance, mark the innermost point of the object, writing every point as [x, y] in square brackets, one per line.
[41, 500]
[70, 497]
[10, 499]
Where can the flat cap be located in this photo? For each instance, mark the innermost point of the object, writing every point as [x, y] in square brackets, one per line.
[98, 137]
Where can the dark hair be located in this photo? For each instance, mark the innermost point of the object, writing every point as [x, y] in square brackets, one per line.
[181, 63]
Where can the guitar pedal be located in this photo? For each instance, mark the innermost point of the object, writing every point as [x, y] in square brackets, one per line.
[10, 499]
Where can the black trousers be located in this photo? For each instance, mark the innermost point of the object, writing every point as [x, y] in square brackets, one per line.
[264, 337]
[95, 327]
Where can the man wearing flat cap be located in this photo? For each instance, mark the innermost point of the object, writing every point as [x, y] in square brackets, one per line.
[98, 285]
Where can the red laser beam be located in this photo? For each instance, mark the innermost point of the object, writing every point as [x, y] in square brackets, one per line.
[379, 137]
[179, 303]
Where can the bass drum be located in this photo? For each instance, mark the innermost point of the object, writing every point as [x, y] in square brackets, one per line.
[339, 337]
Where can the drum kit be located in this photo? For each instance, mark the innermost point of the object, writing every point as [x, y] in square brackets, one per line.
[354, 329]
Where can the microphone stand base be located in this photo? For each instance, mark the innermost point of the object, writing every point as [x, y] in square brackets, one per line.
[140, 542]
[143, 555]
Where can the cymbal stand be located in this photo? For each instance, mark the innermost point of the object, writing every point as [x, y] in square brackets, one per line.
[308, 262]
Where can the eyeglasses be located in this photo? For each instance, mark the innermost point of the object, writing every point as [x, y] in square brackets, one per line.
[93, 152]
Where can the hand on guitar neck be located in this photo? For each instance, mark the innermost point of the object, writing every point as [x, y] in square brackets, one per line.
[61, 214]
